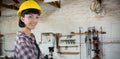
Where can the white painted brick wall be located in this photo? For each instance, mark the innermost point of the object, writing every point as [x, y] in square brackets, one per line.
[73, 14]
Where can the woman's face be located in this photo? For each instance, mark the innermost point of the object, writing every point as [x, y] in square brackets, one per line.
[30, 20]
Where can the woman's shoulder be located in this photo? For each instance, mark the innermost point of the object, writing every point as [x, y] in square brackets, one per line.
[21, 37]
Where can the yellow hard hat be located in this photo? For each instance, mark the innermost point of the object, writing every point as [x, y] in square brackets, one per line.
[28, 5]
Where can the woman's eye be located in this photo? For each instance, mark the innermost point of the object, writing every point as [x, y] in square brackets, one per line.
[30, 16]
[37, 17]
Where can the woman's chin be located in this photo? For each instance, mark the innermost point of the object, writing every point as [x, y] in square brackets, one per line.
[32, 28]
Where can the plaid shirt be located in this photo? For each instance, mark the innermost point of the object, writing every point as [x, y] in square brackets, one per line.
[25, 47]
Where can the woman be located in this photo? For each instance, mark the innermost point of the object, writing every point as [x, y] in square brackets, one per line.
[25, 45]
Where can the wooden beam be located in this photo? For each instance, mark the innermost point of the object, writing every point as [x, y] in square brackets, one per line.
[56, 3]
[9, 6]
[16, 1]
[0, 1]
[0, 7]
[0, 12]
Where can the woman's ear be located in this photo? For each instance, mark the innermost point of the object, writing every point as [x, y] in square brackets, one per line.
[22, 19]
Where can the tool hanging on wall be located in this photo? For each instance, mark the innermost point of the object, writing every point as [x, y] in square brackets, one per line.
[56, 3]
[94, 43]
[51, 50]
[80, 41]
[57, 41]
[88, 42]
[101, 44]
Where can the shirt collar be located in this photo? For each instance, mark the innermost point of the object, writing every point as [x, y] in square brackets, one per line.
[21, 34]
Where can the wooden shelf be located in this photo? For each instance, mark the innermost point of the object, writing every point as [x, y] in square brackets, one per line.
[73, 33]
[68, 46]
[68, 52]
[9, 50]
[87, 33]
[67, 39]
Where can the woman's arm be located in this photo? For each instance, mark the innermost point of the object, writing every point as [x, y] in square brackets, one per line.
[25, 51]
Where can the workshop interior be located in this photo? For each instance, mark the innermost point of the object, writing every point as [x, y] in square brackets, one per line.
[67, 29]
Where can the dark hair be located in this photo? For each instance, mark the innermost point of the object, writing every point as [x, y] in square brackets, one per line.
[27, 11]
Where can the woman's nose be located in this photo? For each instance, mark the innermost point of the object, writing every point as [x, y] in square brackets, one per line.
[35, 19]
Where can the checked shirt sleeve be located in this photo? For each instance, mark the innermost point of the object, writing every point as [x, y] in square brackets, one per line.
[25, 51]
